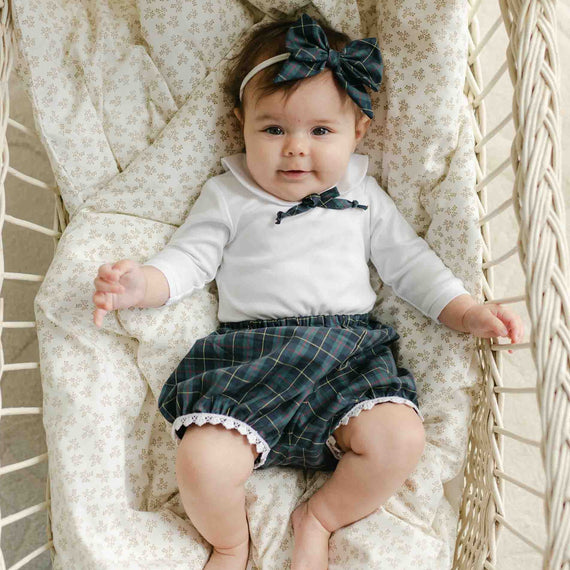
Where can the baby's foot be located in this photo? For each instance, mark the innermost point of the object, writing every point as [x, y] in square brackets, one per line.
[311, 550]
[229, 558]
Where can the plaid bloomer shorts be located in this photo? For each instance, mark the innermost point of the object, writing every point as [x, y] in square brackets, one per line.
[287, 384]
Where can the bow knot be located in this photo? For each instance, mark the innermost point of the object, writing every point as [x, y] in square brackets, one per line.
[333, 60]
[358, 65]
[328, 199]
[311, 200]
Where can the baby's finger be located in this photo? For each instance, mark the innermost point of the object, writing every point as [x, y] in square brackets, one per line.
[102, 300]
[493, 326]
[499, 329]
[107, 273]
[519, 329]
[514, 324]
[98, 315]
[106, 286]
[112, 273]
[122, 266]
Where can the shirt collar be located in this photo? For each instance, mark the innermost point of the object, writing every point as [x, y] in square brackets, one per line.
[353, 177]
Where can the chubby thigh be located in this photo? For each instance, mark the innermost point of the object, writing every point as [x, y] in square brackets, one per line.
[212, 466]
[388, 427]
[215, 450]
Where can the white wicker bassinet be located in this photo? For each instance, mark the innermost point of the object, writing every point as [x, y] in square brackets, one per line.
[533, 66]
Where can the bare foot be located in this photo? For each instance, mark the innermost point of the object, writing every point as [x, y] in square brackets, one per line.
[229, 558]
[311, 550]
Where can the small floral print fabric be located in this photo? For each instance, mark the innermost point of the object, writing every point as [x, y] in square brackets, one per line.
[128, 102]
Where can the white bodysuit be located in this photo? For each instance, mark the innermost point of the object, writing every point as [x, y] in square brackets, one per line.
[313, 263]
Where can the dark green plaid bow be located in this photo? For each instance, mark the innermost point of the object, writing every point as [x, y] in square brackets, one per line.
[357, 65]
[327, 199]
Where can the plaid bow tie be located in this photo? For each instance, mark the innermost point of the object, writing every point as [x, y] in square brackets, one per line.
[327, 199]
[357, 65]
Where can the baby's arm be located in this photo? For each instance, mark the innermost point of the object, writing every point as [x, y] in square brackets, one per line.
[125, 284]
[189, 261]
[406, 263]
[464, 314]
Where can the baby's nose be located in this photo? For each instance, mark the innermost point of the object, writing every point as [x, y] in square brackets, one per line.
[295, 146]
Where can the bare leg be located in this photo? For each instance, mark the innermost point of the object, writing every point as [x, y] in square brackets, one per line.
[382, 447]
[212, 466]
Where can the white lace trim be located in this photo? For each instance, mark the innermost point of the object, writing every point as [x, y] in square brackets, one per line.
[366, 405]
[228, 422]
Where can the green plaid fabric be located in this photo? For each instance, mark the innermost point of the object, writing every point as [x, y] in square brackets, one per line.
[291, 380]
[326, 199]
[358, 65]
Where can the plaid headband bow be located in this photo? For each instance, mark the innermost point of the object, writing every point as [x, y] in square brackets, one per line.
[357, 65]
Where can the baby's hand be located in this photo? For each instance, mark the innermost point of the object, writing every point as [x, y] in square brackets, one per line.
[117, 286]
[493, 321]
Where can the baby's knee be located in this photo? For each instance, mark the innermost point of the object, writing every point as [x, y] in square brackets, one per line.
[398, 434]
[212, 453]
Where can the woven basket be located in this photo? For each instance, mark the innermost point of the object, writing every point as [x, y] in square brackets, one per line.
[536, 203]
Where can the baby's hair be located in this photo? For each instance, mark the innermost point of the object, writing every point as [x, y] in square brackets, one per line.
[268, 41]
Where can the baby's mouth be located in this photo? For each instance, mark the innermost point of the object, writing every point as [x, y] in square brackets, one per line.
[294, 173]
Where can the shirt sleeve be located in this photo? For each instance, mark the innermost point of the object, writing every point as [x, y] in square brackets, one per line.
[191, 258]
[405, 261]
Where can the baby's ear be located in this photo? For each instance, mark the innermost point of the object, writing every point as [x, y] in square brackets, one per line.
[239, 114]
[361, 126]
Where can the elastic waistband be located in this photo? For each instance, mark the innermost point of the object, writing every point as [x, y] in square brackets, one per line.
[344, 321]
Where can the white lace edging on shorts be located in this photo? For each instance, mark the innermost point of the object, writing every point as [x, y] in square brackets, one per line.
[366, 405]
[228, 422]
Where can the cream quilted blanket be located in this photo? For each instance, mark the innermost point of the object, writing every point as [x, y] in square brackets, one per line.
[126, 97]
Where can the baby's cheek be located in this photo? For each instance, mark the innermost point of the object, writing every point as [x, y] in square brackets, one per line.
[334, 168]
[326, 178]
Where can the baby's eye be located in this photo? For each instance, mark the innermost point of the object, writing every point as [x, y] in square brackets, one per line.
[273, 130]
[320, 131]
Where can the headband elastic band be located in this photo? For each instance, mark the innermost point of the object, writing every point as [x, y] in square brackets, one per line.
[258, 68]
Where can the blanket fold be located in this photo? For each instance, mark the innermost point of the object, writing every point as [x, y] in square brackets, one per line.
[127, 98]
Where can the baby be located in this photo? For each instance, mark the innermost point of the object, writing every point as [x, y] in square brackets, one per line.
[298, 373]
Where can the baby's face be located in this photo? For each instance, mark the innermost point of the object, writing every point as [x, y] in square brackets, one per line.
[300, 145]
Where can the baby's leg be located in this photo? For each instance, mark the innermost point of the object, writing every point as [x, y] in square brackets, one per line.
[382, 447]
[212, 466]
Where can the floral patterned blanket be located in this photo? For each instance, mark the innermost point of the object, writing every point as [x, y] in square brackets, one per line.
[127, 100]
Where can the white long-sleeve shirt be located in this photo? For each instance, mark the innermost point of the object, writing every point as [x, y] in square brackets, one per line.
[313, 263]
